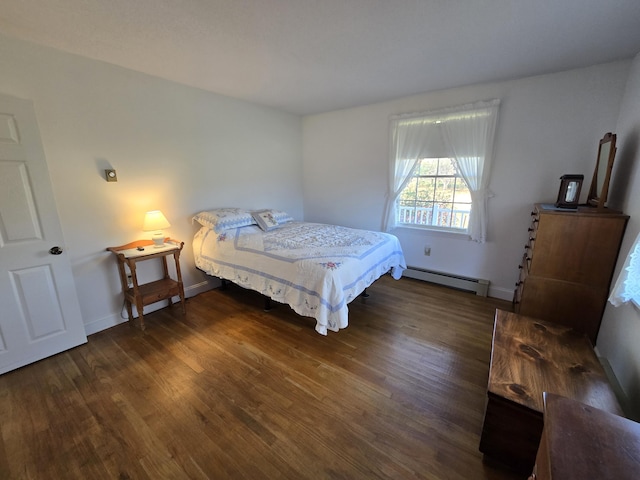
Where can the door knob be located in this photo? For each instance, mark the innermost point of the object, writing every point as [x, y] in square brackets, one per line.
[55, 250]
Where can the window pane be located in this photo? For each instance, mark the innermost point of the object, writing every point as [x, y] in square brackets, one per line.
[446, 167]
[462, 191]
[445, 188]
[460, 216]
[440, 215]
[435, 197]
[409, 192]
[423, 213]
[426, 189]
[428, 166]
[406, 212]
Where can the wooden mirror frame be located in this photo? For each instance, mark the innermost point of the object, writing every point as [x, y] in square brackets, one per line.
[602, 173]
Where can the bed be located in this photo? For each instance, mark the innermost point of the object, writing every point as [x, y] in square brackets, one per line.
[316, 269]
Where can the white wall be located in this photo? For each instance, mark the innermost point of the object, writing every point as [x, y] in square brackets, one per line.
[175, 148]
[619, 339]
[181, 150]
[548, 126]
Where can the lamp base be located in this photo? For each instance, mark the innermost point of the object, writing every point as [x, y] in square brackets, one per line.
[158, 240]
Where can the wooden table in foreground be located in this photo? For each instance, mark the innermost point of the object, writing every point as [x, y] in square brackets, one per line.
[581, 442]
[530, 357]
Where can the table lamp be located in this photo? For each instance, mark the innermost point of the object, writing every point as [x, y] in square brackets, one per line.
[155, 221]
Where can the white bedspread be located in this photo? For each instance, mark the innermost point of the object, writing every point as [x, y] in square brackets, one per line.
[316, 269]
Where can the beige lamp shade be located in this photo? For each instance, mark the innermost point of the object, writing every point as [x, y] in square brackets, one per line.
[155, 221]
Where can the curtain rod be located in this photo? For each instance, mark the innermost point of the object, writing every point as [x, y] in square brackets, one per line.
[442, 112]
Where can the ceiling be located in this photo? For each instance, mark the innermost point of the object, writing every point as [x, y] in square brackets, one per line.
[312, 56]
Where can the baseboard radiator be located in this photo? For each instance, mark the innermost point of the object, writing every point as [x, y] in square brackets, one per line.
[476, 285]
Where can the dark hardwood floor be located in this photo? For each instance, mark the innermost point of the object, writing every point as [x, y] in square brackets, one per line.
[230, 391]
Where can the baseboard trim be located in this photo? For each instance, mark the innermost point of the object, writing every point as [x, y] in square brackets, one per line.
[116, 318]
[630, 410]
[501, 293]
[476, 285]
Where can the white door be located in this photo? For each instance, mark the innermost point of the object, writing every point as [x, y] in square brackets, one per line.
[39, 310]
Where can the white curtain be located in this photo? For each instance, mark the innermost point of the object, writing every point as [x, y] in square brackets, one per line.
[469, 134]
[410, 141]
[464, 133]
[627, 287]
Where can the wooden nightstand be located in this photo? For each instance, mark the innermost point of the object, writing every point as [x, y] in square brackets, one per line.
[152, 292]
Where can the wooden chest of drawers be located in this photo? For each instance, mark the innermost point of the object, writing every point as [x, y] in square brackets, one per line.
[567, 266]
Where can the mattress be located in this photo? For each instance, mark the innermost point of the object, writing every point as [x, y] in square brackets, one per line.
[316, 269]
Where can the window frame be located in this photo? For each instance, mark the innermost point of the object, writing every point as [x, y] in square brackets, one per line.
[416, 175]
[466, 133]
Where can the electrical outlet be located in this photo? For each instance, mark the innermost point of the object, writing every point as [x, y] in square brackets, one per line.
[427, 250]
[129, 281]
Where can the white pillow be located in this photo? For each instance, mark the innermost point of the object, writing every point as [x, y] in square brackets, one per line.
[221, 219]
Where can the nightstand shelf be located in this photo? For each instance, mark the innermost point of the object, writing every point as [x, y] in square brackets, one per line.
[141, 295]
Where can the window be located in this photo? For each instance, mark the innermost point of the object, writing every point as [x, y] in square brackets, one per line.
[440, 165]
[435, 197]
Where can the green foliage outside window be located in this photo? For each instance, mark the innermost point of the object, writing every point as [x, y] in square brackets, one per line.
[436, 196]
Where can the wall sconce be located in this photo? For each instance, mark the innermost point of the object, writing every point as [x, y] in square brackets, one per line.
[110, 175]
[155, 221]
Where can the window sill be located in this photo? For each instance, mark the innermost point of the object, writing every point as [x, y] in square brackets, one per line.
[439, 231]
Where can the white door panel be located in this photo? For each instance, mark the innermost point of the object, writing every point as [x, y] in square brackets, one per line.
[18, 218]
[40, 313]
